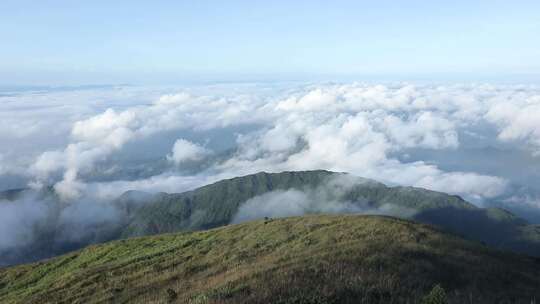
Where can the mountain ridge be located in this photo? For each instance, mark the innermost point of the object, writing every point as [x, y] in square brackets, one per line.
[218, 204]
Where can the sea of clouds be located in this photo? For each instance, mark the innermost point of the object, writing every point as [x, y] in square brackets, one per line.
[479, 141]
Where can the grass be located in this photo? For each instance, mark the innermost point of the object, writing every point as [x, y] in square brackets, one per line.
[215, 205]
[312, 259]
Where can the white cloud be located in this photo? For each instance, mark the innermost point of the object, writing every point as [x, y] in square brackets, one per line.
[424, 129]
[353, 127]
[293, 202]
[518, 121]
[108, 129]
[185, 151]
[95, 138]
[49, 161]
[474, 185]
[158, 183]
[69, 188]
[323, 199]
[273, 204]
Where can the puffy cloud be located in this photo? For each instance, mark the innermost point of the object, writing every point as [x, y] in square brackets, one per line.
[108, 129]
[97, 137]
[518, 121]
[185, 151]
[424, 129]
[353, 127]
[315, 100]
[69, 188]
[279, 139]
[47, 162]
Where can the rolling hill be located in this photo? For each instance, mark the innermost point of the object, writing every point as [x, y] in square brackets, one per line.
[310, 259]
[220, 203]
[217, 204]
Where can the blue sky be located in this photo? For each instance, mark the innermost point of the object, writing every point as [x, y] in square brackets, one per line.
[84, 42]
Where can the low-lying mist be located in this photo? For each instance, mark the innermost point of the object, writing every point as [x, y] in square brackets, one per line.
[327, 198]
[39, 225]
[79, 150]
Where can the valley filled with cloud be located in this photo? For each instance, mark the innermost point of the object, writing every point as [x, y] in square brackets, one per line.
[90, 145]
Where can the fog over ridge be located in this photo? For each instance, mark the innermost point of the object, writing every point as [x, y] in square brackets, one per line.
[326, 198]
[92, 145]
[366, 126]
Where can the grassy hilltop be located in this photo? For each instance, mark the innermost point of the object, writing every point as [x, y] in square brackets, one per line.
[311, 259]
[216, 204]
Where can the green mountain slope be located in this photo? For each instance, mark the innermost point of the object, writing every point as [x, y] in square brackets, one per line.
[216, 205]
[311, 259]
[220, 204]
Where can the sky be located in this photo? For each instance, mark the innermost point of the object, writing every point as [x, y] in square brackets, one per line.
[150, 42]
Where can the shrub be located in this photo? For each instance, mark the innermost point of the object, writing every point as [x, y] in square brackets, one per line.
[171, 295]
[437, 295]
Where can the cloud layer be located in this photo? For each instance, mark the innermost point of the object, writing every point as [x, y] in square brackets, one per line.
[92, 145]
[357, 128]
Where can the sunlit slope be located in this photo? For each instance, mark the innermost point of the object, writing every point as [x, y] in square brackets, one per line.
[312, 259]
[216, 205]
